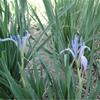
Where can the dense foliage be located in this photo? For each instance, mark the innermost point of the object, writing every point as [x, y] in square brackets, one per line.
[66, 70]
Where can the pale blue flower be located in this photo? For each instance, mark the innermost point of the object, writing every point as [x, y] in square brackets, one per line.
[17, 39]
[77, 51]
[75, 45]
[83, 59]
[74, 49]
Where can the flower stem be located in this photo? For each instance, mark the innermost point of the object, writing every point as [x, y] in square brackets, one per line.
[79, 71]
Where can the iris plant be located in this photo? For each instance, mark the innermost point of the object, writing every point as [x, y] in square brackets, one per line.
[77, 51]
[17, 39]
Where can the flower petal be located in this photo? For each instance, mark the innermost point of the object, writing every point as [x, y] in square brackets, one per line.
[75, 44]
[68, 49]
[24, 39]
[15, 38]
[82, 48]
[84, 62]
[8, 39]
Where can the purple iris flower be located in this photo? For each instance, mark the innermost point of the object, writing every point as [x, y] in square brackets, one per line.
[17, 39]
[77, 51]
[83, 59]
[75, 45]
[21, 41]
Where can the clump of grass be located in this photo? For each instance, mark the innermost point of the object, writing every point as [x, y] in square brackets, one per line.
[63, 78]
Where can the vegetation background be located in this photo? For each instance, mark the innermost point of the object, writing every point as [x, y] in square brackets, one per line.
[37, 70]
